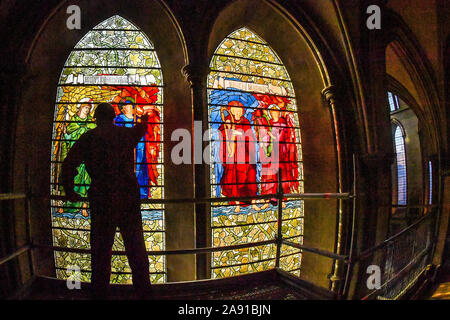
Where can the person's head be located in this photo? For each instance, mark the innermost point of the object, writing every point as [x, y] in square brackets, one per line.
[84, 108]
[275, 111]
[126, 106]
[104, 114]
[236, 109]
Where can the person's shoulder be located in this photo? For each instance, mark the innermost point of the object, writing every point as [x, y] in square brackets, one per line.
[89, 135]
[123, 131]
[84, 141]
[120, 128]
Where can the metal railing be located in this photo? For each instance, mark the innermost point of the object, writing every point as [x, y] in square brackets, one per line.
[401, 258]
[278, 240]
[400, 267]
[27, 247]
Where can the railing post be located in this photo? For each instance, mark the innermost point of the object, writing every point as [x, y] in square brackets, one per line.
[329, 93]
[28, 220]
[414, 232]
[279, 237]
[389, 265]
[351, 255]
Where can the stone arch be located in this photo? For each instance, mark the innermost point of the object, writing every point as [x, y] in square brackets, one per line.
[44, 63]
[302, 61]
[400, 39]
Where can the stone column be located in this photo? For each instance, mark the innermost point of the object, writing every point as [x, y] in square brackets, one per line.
[329, 93]
[196, 76]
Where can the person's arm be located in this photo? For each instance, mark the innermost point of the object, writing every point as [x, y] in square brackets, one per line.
[139, 129]
[69, 170]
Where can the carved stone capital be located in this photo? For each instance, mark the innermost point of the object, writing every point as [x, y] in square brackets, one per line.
[330, 93]
[195, 75]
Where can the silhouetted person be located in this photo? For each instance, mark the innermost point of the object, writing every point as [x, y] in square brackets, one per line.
[114, 197]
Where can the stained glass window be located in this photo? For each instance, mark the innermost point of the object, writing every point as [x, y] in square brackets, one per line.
[252, 106]
[115, 62]
[430, 181]
[393, 101]
[399, 146]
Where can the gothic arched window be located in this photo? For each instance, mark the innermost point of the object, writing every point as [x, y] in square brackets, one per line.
[114, 62]
[430, 182]
[400, 192]
[251, 107]
[394, 103]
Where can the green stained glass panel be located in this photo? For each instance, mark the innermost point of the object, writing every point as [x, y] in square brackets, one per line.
[116, 278]
[246, 233]
[243, 256]
[119, 263]
[118, 58]
[114, 39]
[242, 269]
[116, 22]
[60, 222]
[227, 64]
